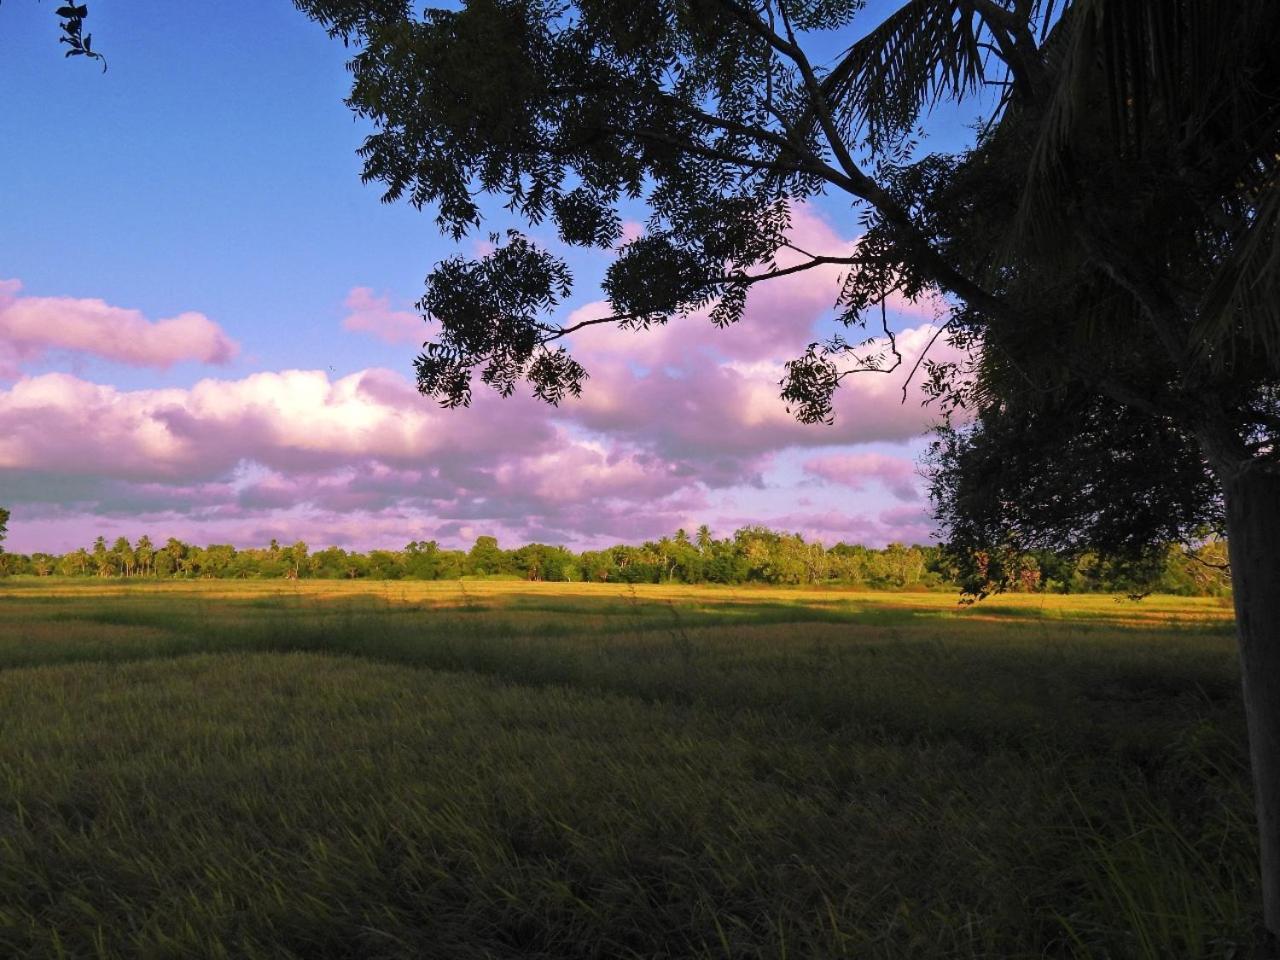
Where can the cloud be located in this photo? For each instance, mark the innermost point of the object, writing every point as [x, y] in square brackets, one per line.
[677, 426]
[854, 470]
[240, 452]
[697, 394]
[292, 420]
[873, 528]
[368, 313]
[32, 328]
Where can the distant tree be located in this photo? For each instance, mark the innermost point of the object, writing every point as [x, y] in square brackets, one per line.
[102, 563]
[75, 564]
[330, 563]
[485, 557]
[4, 529]
[175, 552]
[123, 557]
[537, 561]
[145, 554]
[422, 560]
[386, 565]
[216, 559]
[298, 558]
[598, 566]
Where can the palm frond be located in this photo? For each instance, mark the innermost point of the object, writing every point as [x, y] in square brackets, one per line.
[926, 51]
[1243, 301]
[1167, 77]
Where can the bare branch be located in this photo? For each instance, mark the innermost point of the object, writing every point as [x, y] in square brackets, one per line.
[920, 359]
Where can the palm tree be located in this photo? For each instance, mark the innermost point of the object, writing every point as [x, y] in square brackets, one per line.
[177, 551]
[123, 552]
[146, 554]
[1142, 139]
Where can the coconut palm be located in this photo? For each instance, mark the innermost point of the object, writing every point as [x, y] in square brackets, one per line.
[1135, 276]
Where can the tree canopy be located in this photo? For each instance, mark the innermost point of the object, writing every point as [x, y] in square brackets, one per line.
[716, 118]
[1109, 243]
[754, 554]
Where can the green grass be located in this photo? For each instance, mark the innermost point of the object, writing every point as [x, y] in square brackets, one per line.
[513, 770]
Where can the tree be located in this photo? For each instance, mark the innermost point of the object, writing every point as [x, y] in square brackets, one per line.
[122, 553]
[1109, 245]
[4, 526]
[1139, 403]
[297, 556]
[176, 553]
[145, 553]
[77, 563]
[486, 557]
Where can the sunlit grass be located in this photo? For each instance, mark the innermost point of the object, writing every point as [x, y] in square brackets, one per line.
[503, 769]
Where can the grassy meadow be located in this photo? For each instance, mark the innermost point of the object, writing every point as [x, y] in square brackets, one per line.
[478, 769]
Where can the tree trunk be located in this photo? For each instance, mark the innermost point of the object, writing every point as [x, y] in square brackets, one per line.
[1253, 539]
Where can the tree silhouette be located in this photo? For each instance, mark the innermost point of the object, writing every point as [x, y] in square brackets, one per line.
[1109, 245]
[79, 43]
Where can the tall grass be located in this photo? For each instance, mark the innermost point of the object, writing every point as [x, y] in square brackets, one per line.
[405, 770]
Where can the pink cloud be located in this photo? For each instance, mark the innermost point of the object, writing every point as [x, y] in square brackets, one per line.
[854, 470]
[293, 419]
[234, 454]
[688, 402]
[631, 230]
[33, 327]
[677, 426]
[368, 313]
[872, 528]
[690, 390]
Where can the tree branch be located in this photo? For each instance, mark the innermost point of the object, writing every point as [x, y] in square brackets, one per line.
[860, 185]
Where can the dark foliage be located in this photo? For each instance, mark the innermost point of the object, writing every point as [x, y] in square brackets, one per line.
[79, 43]
[1081, 476]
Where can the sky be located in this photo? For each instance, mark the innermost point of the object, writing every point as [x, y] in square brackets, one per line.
[206, 331]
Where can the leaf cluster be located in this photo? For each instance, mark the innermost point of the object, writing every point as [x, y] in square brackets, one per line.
[79, 43]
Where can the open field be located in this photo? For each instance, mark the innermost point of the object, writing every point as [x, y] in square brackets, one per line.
[260, 769]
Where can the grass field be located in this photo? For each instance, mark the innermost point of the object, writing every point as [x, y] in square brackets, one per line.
[468, 770]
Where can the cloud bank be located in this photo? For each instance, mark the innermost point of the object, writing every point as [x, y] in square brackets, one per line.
[677, 426]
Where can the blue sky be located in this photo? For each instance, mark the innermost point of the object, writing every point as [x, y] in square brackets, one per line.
[212, 171]
[212, 165]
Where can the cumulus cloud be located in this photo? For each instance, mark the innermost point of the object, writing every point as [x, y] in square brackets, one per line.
[372, 314]
[677, 426]
[367, 445]
[292, 420]
[31, 328]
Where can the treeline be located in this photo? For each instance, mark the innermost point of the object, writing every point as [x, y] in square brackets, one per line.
[752, 555]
